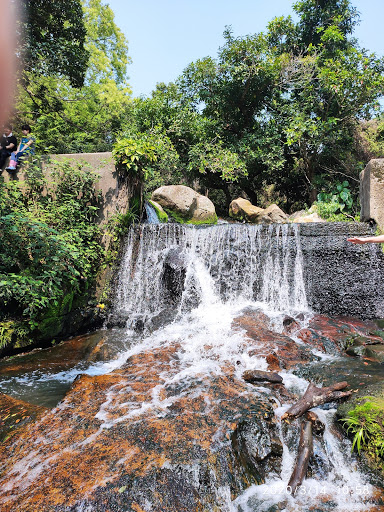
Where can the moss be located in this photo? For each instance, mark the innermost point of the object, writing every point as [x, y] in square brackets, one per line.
[52, 323]
[212, 220]
[237, 216]
[181, 220]
[161, 214]
[364, 423]
[50, 327]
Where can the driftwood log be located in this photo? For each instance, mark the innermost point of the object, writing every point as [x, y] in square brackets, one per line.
[255, 376]
[304, 453]
[309, 425]
[314, 396]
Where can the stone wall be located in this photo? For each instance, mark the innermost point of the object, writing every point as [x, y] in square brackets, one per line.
[342, 278]
[114, 190]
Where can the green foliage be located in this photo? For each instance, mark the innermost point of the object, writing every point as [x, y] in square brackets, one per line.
[340, 195]
[49, 242]
[288, 102]
[135, 155]
[14, 333]
[370, 139]
[336, 205]
[53, 38]
[149, 157]
[70, 117]
[209, 158]
[278, 113]
[117, 228]
[366, 423]
[105, 43]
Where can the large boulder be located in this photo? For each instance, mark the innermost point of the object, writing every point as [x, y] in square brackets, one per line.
[185, 205]
[242, 209]
[276, 214]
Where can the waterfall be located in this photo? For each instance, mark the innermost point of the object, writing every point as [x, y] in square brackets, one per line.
[228, 263]
[152, 217]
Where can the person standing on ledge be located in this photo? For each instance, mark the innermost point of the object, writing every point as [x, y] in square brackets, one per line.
[367, 240]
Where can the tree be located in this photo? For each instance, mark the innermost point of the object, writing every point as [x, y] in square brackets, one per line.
[53, 37]
[288, 101]
[329, 83]
[70, 119]
[238, 93]
[105, 43]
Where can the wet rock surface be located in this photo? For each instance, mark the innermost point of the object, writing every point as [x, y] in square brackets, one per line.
[56, 358]
[133, 440]
[16, 414]
[174, 272]
[253, 376]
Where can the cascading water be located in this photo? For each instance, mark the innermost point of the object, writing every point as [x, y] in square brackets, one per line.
[226, 263]
[150, 211]
[221, 271]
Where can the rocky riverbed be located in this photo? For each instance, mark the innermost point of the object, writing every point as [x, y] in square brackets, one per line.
[152, 435]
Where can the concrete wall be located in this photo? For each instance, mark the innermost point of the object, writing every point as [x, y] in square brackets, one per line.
[342, 278]
[372, 192]
[114, 190]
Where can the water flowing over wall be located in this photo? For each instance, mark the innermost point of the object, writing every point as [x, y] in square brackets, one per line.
[184, 266]
[170, 269]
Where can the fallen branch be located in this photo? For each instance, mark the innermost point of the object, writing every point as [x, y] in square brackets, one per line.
[314, 396]
[304, 453]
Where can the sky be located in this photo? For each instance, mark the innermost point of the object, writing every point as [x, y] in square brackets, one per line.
[165, 36]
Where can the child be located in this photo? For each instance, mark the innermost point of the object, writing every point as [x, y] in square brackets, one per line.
[26, 148]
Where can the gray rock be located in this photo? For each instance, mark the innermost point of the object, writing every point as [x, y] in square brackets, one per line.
[185, 204]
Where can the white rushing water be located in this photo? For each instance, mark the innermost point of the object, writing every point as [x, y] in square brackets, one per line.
[226, 263]
[226, 269]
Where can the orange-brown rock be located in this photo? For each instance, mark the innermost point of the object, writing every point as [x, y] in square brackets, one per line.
[57, 358]
[138, 435]
[15, 414]
[149, 435]
[333, 335]
[287, 352]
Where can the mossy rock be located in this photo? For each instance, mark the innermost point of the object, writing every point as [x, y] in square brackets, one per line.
[53, 323]
[161, 214]
[181, 220]
[366, 412]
